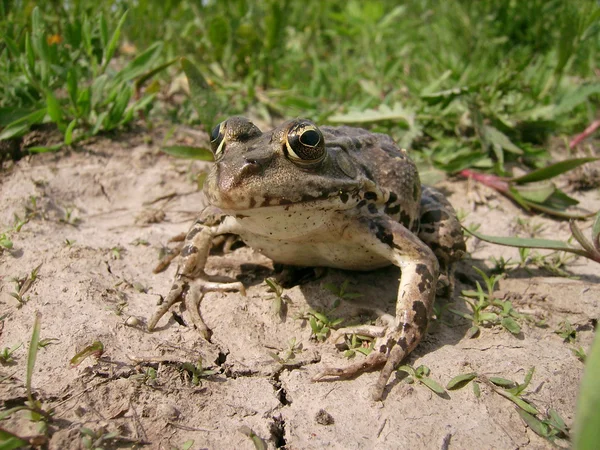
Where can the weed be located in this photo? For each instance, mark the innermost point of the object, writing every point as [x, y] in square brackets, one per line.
[22, 286]
[68, 80]
[421, 375]
[36, 411]
[358, 344]
[288, 354]
[6, 357]
[69, 242]
[197, 371]
[91, 439]
[280, 300]
[549, 426]
[486, 310]
[95, 349]
[566, 331]
[341, 290]
[320, 324]
[116, 252]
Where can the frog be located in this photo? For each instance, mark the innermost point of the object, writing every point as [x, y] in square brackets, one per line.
[339, 197]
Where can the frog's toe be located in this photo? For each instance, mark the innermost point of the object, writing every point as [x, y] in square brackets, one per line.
[371, 362]
[191, 294]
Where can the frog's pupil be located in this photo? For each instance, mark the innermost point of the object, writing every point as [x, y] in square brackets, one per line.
[310, 138]
[214, 134]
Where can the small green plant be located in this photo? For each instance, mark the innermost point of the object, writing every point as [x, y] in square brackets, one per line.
[95, 349]
[94, 440]
[6, 357]
[549, 426]
[288, 355]
[197, 371]
[341, 291]
[486, 310]
[421, 375]
[280, 300]
[34, 408]
[357, 343]
[22, 286]
[70, 218]
[116, 252]
[5, 242]
[320, 324]
[69, 242]
[566, 332]
[148, 376]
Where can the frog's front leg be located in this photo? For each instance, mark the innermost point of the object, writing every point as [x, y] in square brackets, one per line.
[191, 281]
[416, 294]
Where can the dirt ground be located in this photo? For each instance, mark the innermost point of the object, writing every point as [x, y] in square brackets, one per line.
[101, 216]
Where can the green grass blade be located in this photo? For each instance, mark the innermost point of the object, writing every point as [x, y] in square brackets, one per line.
[553, 170]
[460, 381]
[140, 64]
[69, 132]
[596, 232]
[109, 50]
[32, 353]
[9, 441]
[182, 151]
[203, 97]
[54, 108]
[548, 244]
[587, 419]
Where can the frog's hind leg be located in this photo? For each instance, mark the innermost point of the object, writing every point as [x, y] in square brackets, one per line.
[441, 231]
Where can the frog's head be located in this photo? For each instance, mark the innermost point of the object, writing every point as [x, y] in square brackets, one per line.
[289, 165]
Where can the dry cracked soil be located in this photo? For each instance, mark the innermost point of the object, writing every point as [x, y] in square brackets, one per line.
[100, 218]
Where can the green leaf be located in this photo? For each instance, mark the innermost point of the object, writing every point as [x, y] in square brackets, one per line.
[72, 88]
[553, 170]
[95, 349]
[23, 123]
[596, 232]
[146, 76]
[433, 385]
[9, 441]
[527, 243]
[32, 353]
[498, 381]
[587, 418]
[44, 148]
[536, 425]
[203, 97]
[460, 381]
[182, 151]
[109, 50]
[510, 324]
[472, 332]
[396, 112]
[538, 193]
[139, 65]
[488, 317]
[518, 401]
[69, 132]
[499, 139]
[54, 109]
[476, 389]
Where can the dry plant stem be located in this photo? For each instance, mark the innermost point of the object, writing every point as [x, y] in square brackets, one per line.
[586, 133]
[493, 181]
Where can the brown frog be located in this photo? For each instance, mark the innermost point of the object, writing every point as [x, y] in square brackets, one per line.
[332, 196]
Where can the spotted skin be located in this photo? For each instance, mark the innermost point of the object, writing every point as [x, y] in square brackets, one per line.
[337, 197]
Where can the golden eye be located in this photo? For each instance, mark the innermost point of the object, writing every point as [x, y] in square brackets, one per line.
[305, 144]
[217, 139]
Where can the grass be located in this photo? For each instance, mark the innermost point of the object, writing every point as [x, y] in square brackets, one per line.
[467, 84]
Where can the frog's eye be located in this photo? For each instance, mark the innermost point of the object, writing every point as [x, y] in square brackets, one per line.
[305, 144]
[217, 140]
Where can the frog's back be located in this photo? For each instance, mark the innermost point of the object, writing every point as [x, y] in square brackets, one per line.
[382, 162]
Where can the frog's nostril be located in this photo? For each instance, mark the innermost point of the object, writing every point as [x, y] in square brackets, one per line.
[251, 167]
